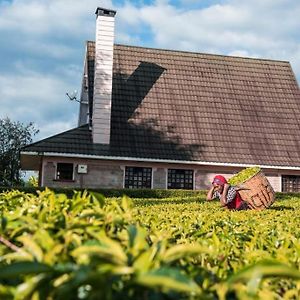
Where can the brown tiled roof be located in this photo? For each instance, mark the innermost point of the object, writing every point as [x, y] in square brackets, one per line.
[74, 141]
[201, 107]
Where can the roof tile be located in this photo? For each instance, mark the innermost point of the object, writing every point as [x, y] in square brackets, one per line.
[194, 106]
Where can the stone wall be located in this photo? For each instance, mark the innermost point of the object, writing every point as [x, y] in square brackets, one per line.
[99, 175]
[110, 174]
[48, 173]
[159, 178]
[104, 176]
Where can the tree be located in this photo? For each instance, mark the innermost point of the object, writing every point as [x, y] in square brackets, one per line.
[13, 136]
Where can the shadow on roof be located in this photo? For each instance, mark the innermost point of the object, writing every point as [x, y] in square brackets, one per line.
[141, 136]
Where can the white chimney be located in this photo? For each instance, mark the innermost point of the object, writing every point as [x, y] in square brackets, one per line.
[103, 75]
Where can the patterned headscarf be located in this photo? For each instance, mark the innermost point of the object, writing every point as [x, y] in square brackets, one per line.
[220, 180]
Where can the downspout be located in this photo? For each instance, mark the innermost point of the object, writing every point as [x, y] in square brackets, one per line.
[41, 155]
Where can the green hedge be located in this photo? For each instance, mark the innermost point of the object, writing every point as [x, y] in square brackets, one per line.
[136, 193]
[132, 193]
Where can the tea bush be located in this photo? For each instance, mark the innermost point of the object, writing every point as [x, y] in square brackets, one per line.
[89, 247]
[133, 193]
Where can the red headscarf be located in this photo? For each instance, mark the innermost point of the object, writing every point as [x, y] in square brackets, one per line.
[220, 180]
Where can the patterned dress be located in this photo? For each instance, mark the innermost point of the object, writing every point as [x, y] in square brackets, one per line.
[231, 197]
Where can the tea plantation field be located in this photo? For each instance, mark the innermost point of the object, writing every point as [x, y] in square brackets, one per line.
[88, 247]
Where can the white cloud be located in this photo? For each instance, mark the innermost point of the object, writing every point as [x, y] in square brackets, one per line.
[40, 17]
[128, 15]
[47, 40]
[42, 57]
[48, 49]
[128, 39]
[268, 29]
[56, 127]
[241, 53]
[39, 98]
[225, 26]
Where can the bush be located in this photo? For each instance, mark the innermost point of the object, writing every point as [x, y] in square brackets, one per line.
[132, 193]
[83, 247]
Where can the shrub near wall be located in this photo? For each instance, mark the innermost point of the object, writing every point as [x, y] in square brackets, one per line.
[136, 193]
[132, 193]
[84, 247]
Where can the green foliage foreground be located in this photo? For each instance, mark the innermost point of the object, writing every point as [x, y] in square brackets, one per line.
[88, 247]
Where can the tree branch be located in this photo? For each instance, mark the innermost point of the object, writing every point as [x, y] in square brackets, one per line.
[9, 244]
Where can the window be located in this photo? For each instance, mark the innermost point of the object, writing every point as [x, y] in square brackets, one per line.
[138, 177]
[290, 183]
[64, 171]
[180, 179]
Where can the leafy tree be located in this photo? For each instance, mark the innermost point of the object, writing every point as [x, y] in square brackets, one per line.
[13, 136]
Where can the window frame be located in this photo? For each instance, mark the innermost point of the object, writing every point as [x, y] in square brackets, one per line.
[58, 175]
[189, 181]
[287, 186]
[129, 183]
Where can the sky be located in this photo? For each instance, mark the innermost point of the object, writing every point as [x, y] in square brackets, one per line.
[42, 44]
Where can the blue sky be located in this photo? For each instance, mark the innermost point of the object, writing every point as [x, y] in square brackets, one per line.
[42, 44]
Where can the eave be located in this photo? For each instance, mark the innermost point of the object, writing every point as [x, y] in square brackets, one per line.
[150, 160]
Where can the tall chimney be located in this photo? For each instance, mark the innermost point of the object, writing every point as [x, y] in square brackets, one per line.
[103, 75]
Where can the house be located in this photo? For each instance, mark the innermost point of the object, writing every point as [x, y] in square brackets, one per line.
[153, 118]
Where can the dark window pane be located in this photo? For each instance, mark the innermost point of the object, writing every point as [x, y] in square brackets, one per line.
[138, 177]
[180, 179]
[290, 183]
[64, 171]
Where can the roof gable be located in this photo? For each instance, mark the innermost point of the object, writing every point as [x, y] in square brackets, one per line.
[216, 108]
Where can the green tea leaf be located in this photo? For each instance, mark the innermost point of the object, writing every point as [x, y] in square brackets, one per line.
[137, 238]
[53, 254]
[126, 203]
[168, 279]
[243, 175]
[31, 246]
[3, 223]
[145, 260]
[27, 289]
[22, 268]
[181, 251]
[99, 198]
[44, 239]
[17, 256]
[108, 250]
[254, 274]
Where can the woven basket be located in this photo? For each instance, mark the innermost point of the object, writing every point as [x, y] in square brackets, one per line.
[258, 192]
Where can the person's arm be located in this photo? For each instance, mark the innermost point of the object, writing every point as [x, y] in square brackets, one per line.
[210, 193]
[223, 199]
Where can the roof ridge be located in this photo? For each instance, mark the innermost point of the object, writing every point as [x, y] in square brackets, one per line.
[200, 53]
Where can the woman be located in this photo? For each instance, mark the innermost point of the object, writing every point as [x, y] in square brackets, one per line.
[229, 197]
